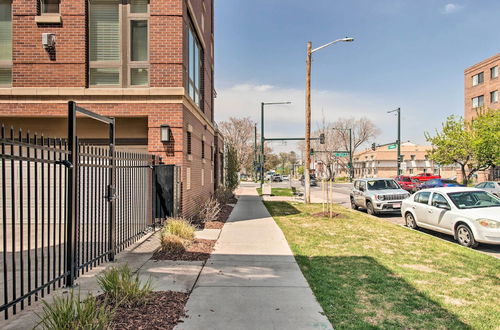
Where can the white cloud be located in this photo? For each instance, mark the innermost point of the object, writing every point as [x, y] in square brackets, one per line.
[243, 100]
[452, 8]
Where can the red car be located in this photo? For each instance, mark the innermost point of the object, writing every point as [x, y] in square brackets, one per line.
[422, 177]
[407, 183]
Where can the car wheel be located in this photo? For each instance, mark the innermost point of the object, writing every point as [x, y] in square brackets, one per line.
[370, 209]
[353, 204]
[465, 237]
[410, 221]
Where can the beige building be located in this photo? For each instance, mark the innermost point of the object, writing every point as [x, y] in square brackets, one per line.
[382, 163]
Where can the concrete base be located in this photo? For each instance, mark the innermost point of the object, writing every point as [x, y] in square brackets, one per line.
[211, 234]
[167, 275]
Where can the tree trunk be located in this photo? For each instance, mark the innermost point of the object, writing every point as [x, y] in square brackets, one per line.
[464, 176]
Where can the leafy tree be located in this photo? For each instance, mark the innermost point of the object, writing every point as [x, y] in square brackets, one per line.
[239, 132]
[232, 167]
[472, 145]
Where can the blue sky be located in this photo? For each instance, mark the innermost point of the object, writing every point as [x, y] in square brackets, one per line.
[407, 53]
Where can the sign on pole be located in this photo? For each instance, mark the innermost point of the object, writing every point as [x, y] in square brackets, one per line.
[341, 154]
[391, 146]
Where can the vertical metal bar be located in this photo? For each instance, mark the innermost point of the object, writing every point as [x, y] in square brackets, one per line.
[28, 184]
[49, 242]
[42, 213]
[65, 227]
[85, 188]
[99, 203]
[21, 218]
[60, 211]
[13, 220]
[54, 214]
[111, 194]
[94, 204]
[35, 140]
[4, 229]
[71, 190]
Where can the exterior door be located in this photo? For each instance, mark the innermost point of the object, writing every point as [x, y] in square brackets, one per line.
[439, 217]
[422, 206]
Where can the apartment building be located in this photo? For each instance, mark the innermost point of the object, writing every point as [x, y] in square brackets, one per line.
[148, 63]
[381, 162]
[481, 87]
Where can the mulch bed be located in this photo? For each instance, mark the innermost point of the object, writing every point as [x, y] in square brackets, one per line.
[221, 219]
[327, 215]
[163, 310]
[199, 250]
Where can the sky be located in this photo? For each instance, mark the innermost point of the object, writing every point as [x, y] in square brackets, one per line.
[407, 53]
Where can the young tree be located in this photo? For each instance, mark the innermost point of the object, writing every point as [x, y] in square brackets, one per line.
[232, 167]
[239, 132]
[474, 146]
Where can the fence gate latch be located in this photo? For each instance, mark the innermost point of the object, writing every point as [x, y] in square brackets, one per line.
[111, 193]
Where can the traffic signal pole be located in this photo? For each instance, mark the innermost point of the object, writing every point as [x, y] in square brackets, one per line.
[262, 157]
[351, 165]
[398, 142]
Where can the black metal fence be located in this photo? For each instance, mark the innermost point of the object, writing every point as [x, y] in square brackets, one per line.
[65, 208]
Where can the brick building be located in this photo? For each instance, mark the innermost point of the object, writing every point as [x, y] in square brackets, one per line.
[382, 163]
[481, 86]
[147, 63]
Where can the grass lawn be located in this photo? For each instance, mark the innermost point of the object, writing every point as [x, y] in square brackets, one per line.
[278, 191]
[368, 273]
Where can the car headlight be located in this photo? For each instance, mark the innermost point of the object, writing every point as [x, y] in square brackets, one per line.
[488, 223]
[380, 197]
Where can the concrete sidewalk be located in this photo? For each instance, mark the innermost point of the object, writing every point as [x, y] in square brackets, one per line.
[252, 280]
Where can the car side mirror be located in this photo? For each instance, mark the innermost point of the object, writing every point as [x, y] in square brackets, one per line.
[443, 205]
[361, 188]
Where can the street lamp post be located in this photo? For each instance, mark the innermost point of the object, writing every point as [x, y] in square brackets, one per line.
[262, 139]
[307, 179]
[398, 112]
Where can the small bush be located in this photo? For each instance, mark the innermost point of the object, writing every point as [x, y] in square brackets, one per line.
[173, 244]
[223, 195]
[209, 210]
[68, 313]
[122, 287]
[179, 227]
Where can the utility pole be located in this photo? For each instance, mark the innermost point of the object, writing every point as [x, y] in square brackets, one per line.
[262, 157]
[351, 165]
[255, 153]
[307, 178]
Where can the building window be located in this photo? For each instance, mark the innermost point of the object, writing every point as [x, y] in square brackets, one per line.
[5, 43]
[412, 157]
[202, 149]
[189, 143]
[478, 79]
[494, 97]
[49, 6]
[109, 65]
[410, 171]
[494, 72]
[195, 67]
[212, 153]
[478, 101]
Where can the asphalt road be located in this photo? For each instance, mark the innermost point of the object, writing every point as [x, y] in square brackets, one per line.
[341, 196]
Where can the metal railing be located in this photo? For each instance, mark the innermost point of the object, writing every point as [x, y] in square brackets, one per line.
[65, 208]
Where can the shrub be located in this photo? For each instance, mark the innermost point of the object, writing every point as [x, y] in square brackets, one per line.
[122, 287]
[68, 313]
[223, 195]
[173, 243]
[209, 210]
[179, 227]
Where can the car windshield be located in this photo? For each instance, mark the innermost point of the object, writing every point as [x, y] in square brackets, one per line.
[382, 184]
[405, 179]
[474, 199]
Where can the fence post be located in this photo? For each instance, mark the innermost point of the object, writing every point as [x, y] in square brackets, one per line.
[71, 191]
[111, 193]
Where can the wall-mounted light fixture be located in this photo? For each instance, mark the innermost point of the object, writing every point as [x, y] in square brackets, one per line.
[165, 133]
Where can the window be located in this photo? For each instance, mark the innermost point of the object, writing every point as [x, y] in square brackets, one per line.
[422, 197]
[195, 67]
[481, 185]
[5, 43]
[439, 199]
[478, 79]
[212, 153]
[202, 149]
[49, 6]
[412, 157]
[189, 143]
[494, 97]
[489, 185]
[109, 65]
[411, 171]
[478, 101]
[494, 72]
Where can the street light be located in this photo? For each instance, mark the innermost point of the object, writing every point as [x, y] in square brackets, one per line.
[262, 139]
[307, 178]
[398, 112]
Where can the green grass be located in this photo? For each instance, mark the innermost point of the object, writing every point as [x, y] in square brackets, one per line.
[368, 273]
[278, 192]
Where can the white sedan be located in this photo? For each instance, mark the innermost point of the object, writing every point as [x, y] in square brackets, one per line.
[471, 215]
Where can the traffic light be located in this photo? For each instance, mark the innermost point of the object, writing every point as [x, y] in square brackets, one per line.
[312, 151]
[374, 146]
[401, 158]
[322, 138]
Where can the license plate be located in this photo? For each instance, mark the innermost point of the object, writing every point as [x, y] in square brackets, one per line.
[396, 206]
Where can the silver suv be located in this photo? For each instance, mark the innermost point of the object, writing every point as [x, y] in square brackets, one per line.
[377, 195]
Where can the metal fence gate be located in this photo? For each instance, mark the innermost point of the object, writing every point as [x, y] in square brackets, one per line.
[65, 208]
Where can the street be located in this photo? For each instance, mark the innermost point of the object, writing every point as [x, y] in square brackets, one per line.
[341, 197]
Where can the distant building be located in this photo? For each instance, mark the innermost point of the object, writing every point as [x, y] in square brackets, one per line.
[382, 163]
[482, 85]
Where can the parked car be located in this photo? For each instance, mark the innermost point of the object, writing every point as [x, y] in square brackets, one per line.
[423, 177]
[471, 215]
[286, 178]
[277, 178]
[377, 195]
[407, 183]
[435, 183]
[490, 186]
[312, 181]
